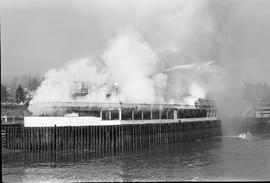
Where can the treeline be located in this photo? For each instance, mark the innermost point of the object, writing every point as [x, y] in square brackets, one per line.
[19, 89]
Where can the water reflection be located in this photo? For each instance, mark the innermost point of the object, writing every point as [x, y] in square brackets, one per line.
[162, 163]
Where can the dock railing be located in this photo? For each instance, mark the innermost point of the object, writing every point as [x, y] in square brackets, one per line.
[63, 107]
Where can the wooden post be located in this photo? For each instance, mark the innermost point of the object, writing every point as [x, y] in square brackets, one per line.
[175, 114]
[166, 133]
[149, 135]
[116, 137]
[32, 138]
[81, 136]
[62, 138]
[93, 138]
[103, 145]
[42, 136]
[29, 138]
[124, 137]
[22, 139]
[72, 137]
[88, 137]
[122, 134]
[57, 138]
[110, 114]
[76, 140]
[45, 141]
[9, 137]
[155, 135]
[111, 137]
[25, 138]
[46, 130]
[84, 136]
[132, 114]
[59, 132]
[99, 138]
[120, 114]
[67, 137]
[105, 139]
[101, 114]
[54, 138]
[67, 134]
[12, 137]
[38, 139]
[93, 141]
[134, 136]
[35, 138]
[16, 138]
[145, 135]
[108, 137]
[119, 137]
[30, 141]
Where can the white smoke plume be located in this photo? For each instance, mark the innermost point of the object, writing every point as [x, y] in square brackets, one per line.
[195, 92]
[167, 50]
[127, 61]
[131, 61]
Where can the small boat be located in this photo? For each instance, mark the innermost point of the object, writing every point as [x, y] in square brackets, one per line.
[245, 135]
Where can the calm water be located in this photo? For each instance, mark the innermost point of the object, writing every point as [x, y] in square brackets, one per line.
[221, 158]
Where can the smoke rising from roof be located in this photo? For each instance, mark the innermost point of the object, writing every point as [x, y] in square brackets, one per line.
[127, 61]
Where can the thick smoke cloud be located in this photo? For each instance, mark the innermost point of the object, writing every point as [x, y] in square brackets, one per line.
[131, 62]
[128, 64]
[186, 35]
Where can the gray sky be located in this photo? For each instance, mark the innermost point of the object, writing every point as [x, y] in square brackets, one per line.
[41, 35]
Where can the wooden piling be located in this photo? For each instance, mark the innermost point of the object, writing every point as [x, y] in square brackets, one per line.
[108, 138]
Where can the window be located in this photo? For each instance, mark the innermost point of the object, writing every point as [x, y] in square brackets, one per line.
[180, 113]
[105, 115]
[170, 114]
[115, 114]
[137, 115]
[200, 113]
[187, 113]
[164, 114]
[155, 114]
[146, 115]
[204, 111]
[126, 114]
[191, 113]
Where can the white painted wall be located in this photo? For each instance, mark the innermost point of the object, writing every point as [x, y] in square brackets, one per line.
[32, 121]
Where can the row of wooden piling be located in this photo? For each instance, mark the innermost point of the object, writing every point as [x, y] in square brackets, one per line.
[107, 138]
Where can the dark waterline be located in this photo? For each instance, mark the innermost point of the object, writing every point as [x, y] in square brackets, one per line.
[221, 158]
